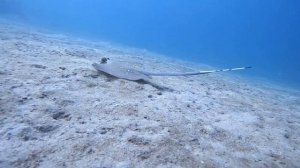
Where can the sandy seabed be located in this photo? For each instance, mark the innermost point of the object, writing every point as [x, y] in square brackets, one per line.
[57, 111]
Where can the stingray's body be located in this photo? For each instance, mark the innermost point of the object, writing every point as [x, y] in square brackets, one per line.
[120, 71]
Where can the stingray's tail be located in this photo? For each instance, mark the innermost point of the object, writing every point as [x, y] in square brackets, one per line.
[229, 69]
[194, 73]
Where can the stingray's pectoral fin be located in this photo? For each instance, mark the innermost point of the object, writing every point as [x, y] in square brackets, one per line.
[150, 77]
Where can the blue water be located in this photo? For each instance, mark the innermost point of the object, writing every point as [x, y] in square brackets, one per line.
[262, 33]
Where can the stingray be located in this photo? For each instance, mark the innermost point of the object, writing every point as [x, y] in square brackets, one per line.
[123, 72]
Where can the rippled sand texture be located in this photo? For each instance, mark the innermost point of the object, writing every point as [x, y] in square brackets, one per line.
[57, 111]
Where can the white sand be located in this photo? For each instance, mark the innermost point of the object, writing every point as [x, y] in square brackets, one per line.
[57, 111]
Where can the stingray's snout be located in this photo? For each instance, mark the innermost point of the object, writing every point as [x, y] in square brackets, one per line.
[94, 65]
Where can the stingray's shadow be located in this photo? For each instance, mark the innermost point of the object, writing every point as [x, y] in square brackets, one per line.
[110, 78]
[157, 86]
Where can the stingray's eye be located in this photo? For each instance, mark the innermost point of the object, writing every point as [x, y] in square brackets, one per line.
[104, 60]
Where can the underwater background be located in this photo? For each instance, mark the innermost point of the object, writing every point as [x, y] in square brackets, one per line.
[262, 34]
